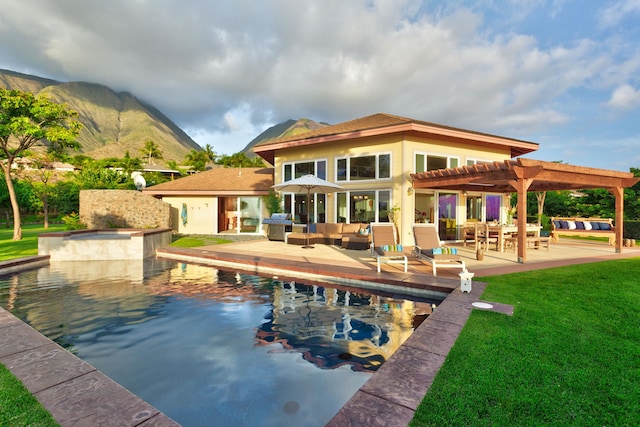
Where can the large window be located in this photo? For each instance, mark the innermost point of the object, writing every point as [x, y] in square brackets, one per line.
[298, 169]
[494, 202]
[363, 168]
[474, 207]
[315, 210]
[427, 162]
[447, 215]
[363, 206]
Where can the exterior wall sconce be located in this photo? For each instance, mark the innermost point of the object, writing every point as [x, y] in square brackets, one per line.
[409, 191]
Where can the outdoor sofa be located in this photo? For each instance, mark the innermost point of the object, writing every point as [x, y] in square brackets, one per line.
[348, 236]
[574, 226]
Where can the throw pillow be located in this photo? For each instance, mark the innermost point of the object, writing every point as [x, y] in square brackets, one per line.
[572, 225]
[587, 225]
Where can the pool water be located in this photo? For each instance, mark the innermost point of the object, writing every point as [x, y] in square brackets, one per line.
[213, 347]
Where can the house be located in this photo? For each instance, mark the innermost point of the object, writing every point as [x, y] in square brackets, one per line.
[220, 200]
[372, 158]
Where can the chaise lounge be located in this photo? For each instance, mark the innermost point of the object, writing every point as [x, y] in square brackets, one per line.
[428, 247]
[385, 247]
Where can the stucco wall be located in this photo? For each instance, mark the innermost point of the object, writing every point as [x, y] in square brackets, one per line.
[123, 209]
[202, 214]
[402, 151]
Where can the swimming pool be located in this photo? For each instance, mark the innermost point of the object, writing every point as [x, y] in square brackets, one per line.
[212, 347]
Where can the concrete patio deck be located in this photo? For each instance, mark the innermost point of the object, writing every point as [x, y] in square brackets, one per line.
[76, 394]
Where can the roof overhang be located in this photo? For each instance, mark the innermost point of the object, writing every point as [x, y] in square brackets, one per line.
[203, 193]
[440, 133]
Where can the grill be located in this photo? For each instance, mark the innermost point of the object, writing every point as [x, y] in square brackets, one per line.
[279, 224]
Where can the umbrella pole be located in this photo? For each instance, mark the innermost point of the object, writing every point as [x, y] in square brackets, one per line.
[308, 246]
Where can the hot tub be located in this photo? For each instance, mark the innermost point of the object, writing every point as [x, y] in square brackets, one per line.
[103, 244]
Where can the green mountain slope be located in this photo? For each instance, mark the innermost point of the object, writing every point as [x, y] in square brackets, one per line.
[112, 122]
[288, 128]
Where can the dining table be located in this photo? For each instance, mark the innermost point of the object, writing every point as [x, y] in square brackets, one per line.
[491, 230]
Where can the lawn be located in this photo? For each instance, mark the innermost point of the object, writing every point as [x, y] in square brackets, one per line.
[568, 356]
[10, 249]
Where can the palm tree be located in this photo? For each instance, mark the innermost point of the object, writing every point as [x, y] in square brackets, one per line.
[211, 155]
[196, 159]
[151, 150]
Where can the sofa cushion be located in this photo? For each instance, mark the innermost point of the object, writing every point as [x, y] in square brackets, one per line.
[604, 226]
[351, 228]
[321, 228]
[333, 228]
[579, 225]
[595, 225]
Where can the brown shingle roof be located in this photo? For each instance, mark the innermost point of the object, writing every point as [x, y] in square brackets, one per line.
[218, 181]
[374, 121]
[385, 124]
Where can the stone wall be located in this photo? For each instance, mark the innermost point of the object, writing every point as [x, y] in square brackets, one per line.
[123, 209]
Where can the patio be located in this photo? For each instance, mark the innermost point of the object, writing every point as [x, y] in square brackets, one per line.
[333, 259]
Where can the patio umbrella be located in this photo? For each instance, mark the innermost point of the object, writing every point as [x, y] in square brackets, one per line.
[309, 184]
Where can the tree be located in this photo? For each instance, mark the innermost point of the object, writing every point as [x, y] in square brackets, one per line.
[196, 159]
[129, 164]
[240, 160]
[211, 155]
[151, 151]
[26, 121]
[40, 180]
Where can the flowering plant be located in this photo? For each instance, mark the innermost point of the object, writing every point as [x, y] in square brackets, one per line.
[421, 216]
[512, 211]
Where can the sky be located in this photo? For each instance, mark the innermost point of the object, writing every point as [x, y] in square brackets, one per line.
[561, 73]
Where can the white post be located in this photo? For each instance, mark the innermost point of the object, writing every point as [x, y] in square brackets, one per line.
[465, 280]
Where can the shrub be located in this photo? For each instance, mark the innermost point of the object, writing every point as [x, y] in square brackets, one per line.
[72, 222]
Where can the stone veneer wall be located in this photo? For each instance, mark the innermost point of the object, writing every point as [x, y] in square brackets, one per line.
[123, 209]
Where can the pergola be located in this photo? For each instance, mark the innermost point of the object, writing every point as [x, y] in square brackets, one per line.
[524, 175]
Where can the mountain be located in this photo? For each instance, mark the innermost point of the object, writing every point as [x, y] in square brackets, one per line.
[288, 128]
[113, 123]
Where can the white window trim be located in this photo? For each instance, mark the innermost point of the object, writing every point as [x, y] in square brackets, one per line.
[376, 179]
[315, 166]
[429, 153]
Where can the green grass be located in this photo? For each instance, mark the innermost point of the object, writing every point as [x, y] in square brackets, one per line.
[193, 241]
[569, 355]
[10, 249]
[17, 406]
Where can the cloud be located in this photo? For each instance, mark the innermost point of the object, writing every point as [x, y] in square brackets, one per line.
[224, 70]
[618, 11]
[624, 97]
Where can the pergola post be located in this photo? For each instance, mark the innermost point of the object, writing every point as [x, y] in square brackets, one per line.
[522, 186]
[618, 192]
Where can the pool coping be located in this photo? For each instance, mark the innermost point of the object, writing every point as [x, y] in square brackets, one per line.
[76, 393]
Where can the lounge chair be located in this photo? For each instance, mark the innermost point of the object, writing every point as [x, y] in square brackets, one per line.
[384, 245]
[428, 247]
